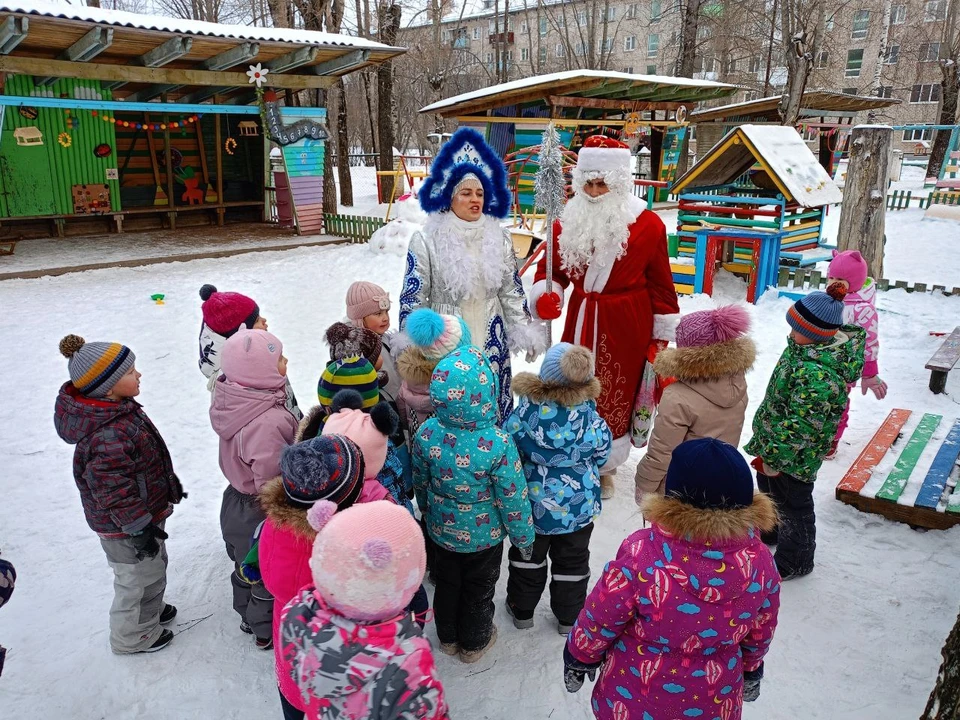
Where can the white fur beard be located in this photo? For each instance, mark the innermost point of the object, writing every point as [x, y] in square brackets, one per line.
[588, 226]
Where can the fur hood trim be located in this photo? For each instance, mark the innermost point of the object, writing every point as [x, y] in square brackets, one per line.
[311, 424]
[414, 367]
[682, 520]
[274, 502]
[706, 362]
[528, 385]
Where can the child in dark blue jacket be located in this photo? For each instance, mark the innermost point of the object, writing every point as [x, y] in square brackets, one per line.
[563, 443]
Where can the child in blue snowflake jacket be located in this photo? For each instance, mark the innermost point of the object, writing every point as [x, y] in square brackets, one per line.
[563, 443]
[470, 488]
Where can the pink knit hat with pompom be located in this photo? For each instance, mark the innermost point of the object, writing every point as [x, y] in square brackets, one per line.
[368, 560]
[709, 327]
[849, 265]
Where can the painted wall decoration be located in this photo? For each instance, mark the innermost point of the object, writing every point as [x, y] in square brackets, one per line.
[284, 132]
[304, 160]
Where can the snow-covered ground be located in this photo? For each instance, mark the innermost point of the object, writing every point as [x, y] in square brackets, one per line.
[859, 638]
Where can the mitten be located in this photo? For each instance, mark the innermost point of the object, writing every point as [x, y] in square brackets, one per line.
[145, 542]
[549, 306]
[574, 671]
[526, 553]
[878, 386]
[751, 684]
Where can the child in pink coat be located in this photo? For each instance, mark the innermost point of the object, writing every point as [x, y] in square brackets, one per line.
[860, 309]
[680, 621]
[352, 650]
[329, 467]
[249, 414]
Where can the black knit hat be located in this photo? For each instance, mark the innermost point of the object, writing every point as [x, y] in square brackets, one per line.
[709, 474]
[327, 467]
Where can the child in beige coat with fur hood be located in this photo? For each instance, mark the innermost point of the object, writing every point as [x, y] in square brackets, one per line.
[709, 397]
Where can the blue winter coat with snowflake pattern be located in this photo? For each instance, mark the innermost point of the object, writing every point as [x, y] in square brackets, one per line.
[468, 476]
[563, 443]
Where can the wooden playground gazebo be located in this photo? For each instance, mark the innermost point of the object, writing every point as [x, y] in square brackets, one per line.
[829, 114]
[513, 115]
[114, 118]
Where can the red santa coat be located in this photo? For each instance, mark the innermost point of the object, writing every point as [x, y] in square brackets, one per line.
[612, 312]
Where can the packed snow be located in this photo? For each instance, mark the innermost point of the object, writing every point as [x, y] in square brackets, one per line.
[859, 638]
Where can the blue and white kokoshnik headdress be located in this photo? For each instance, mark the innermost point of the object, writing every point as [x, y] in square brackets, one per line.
[466, 153]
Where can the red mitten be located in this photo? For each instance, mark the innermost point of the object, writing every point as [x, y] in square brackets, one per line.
[548, 306]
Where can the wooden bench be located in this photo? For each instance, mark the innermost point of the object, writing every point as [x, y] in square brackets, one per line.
[943, 361]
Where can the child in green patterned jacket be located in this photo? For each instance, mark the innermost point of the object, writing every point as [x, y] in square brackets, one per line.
[795, 424]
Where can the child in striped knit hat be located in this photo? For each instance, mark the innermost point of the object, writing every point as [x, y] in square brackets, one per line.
[127, 485]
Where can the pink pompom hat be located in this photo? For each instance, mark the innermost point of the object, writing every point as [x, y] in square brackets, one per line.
[709, 327]
[849, 265]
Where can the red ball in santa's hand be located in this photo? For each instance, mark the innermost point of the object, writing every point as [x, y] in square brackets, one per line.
[548, 306]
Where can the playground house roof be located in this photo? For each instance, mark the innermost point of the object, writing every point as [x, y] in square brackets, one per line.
[816, 103]
[779, 150]
[585, 91]
[140, 57]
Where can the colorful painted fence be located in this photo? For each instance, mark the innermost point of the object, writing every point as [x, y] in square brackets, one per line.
[304, 165]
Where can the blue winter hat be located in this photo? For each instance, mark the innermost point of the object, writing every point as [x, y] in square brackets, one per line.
[466, 153]
[819, 315]
[709, 474]
[566, 364]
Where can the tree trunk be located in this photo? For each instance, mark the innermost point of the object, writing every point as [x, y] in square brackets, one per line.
[389, 26]
[944, 702]
[800, 48]
[948, 116]
[343, 148]
[863, 213]
[687, 61]
[93, 3]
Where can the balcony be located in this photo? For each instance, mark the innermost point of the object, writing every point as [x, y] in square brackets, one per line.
[460, 43]
[504, 38]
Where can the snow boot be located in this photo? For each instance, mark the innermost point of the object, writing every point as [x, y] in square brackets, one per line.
[519, 624]
[168, 614]
[607, 488]
[264, 643]
[472, 656]
[245, 627]
[563, 628]
[451, 648]
[165, 637]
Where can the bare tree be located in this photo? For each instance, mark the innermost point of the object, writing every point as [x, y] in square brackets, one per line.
[944, 701]
[949, 56]
[802, 24]
[388, 24]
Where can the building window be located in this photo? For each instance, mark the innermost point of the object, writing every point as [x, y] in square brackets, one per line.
[489, 57]
[560, 51]
[823, 59]
[885, 91]
[653, 45]
[611, 14]
[523, 27]
[731, 66]
[543, 26]
[830, 23]
[849, 91]
[929, 52]
[581, 17]
[651, 69]
[562, 21]
[628, 70]
[543, 56]
[476, 33]
[934, 10]
[656, 10]
[491, 27]
[754, 64]
[854, 63]
[632, 11]
[861, 21]
[581, 48]
[703, 32]
[892, 56]
[445, 36]
[925, 93]
[630, 43]
[917, 134]
[605, 46]
[524, 54]
[898, 14]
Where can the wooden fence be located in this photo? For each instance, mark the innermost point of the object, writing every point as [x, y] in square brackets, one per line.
[355, 228]
[901, 199]
[807, 279]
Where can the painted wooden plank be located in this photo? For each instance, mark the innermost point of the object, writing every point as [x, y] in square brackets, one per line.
[947, 354]
[936, 480]
[897, 479]
[859, 473]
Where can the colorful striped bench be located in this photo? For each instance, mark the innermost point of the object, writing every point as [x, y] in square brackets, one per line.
[937, 501]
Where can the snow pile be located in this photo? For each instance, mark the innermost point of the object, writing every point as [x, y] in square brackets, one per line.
[394, 237]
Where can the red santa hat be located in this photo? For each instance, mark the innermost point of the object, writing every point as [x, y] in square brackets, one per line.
[601, 154]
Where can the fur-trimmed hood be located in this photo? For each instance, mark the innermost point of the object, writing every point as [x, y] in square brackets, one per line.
[706, 362]
[683, 520]
[526, 384]
[413, 367]
[312, 424]
[274, 502]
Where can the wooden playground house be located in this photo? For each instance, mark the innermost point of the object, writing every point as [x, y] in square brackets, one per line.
[648, 109]
[826, 119]
[120, 120]
[756, 198]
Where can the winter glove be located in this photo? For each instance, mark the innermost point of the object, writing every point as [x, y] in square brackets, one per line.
[526, 553]
[146, 543]
[177, 493]
[549, 306]
[574, 671]
[751, 684]
[878, 386]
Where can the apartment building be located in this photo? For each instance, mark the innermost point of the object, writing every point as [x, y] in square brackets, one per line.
[888, 47]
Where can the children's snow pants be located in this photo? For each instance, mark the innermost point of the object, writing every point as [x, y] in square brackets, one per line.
[570, 570]
[138, 587]
[796, 536]
[463, 600]
[239, 516]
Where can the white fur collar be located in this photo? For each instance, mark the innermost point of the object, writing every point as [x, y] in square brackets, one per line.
[590, 226]
[459, 268]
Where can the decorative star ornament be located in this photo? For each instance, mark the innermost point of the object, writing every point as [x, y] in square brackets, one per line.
[257, 74]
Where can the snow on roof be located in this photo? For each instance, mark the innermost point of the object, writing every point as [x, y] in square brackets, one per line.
[186, 27]
[551, 78]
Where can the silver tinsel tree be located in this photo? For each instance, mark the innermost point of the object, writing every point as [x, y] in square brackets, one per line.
[549, 194]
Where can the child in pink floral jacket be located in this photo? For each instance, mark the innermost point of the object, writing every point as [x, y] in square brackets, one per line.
[347, 643]
[860, 309]
[680, 621]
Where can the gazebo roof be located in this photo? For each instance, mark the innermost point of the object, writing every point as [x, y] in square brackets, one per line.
[599, 85]
[815, 103]
[780, 151]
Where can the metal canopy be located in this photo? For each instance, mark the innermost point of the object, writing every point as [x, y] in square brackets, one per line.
[821, 103]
